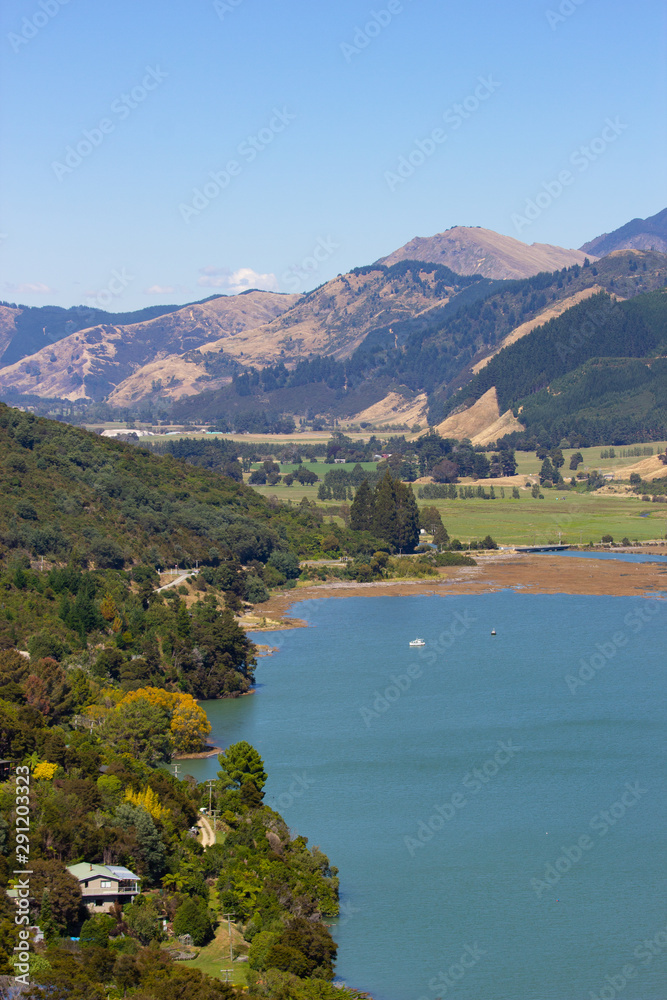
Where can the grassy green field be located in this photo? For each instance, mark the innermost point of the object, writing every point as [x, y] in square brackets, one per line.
[213, 958]
[320, 468]
[578, 517]
[528, 464]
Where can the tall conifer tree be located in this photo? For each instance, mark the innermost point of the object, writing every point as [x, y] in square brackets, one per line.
[386, 524]
[362, 510]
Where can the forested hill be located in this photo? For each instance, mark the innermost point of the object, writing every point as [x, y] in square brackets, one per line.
[556, 362]
[66, 491]
[432, 352]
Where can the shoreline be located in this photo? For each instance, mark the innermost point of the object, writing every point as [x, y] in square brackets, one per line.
[208, 752]
[526, 573]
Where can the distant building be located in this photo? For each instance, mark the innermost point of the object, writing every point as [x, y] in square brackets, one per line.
[104, 885]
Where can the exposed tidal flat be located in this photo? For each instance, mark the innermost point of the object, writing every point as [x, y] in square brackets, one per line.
[495, 804]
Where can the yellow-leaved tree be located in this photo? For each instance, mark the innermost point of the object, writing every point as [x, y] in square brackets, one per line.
[108, 608]
[188, 725]
[148, 800]
[45, 770]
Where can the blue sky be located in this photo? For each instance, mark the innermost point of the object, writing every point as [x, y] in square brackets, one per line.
[291, 120]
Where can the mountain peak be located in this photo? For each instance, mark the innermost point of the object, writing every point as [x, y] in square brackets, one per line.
[638, 234]
[475, 250]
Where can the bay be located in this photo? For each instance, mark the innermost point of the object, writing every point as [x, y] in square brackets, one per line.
[634, 557]
[454, 787]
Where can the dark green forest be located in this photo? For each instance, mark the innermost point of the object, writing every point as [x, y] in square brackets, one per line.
[575, 377]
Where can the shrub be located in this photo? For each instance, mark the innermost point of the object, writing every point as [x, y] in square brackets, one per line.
[286, 563]
[256, 591]
[194, 918]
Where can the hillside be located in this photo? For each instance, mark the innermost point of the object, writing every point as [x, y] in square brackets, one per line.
[473, 250]
[24, 330]
[90, 363]
[435, 353]
[594, 374]
[442, 359]
[69, 493]
[482, 422]
[333, 320]
[639, 234]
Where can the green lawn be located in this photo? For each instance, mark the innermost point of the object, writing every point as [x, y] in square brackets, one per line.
[580, 517]
[528, 463]
[214, 957]
[320, 468]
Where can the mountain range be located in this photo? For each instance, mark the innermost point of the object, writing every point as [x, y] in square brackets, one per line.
[640, 234]
[392, 342]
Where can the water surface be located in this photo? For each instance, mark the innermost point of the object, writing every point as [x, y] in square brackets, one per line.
[635, 557]
[385, 756]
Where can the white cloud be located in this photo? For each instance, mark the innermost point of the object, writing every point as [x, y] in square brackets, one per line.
[236, 281]
[159, 290]
[34, 288]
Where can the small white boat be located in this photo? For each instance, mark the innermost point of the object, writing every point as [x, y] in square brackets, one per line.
[417, 642]
[493, 631]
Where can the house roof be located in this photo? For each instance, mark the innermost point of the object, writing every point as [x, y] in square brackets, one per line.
[121, 872]
[84, 871]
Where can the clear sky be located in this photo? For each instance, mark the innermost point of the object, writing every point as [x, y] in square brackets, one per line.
[292, 119]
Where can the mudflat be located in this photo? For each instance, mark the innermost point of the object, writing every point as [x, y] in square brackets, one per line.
[534, 574]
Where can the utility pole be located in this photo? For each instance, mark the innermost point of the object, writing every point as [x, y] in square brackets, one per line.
[229, 917]
[215, 822]
[210, 793]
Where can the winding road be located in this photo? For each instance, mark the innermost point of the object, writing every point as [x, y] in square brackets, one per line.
[207, 834]
[179, 579]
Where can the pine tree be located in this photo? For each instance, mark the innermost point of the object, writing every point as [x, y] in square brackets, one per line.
[407, 518]
[385, 521]
[362, 510]
[547, 471]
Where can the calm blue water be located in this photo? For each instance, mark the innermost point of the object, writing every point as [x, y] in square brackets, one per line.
[636, 557]
[358, 784]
